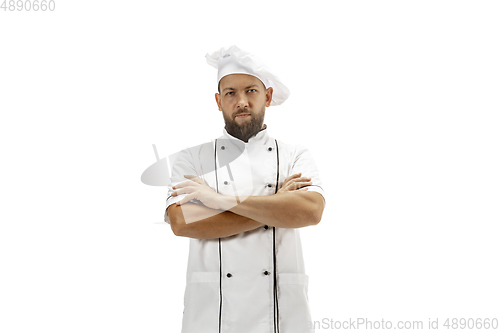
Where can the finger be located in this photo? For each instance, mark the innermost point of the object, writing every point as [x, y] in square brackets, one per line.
[291, 177]
[302, 179]
[186, 199]
[184, 184]
[299, 182]
[297, 185]
[184, 190]
[302, 184]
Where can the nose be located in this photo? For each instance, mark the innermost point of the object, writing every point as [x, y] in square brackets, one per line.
[242, 101]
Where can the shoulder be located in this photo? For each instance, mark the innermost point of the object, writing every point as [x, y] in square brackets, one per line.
[291, 150]
[194, 151]
[192, 160]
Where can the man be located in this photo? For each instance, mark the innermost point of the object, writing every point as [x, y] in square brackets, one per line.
[241, 200]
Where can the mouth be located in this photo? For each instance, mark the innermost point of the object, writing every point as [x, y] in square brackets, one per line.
[243, 115]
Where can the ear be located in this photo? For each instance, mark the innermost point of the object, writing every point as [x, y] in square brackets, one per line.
[218, 100]
[269, 96]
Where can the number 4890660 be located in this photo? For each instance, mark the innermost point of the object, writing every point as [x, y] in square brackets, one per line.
[28, 5]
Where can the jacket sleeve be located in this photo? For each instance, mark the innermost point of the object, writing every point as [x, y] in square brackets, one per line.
[182, 164]
[302, 161]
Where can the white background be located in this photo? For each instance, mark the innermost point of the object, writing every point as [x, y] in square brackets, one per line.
[398, 101]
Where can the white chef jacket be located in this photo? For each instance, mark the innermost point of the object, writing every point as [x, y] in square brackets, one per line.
[253, 282]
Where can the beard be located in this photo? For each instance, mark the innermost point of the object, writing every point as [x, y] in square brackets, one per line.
[247, 129]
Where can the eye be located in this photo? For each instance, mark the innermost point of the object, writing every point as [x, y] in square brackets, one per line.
[230, 93]
[252, 90]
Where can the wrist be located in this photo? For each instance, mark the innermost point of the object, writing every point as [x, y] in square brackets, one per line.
[227, 202]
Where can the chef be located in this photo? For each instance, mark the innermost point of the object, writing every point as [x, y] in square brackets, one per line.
[241, 200]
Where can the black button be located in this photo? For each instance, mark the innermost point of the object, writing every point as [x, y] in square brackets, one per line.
[226, 182]
[269, 185]
[266, 227]
[222, 147]
[266, 273]
[270, 149]
[229, 275]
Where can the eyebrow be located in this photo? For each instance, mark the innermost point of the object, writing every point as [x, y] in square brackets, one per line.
[250, 86]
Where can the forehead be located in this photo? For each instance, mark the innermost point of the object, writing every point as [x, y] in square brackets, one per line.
[238, 81]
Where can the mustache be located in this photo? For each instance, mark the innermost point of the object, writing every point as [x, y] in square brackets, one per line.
[245, 110]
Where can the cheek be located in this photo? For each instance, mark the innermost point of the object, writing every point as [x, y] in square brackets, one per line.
[224, 108]
[226, 103]
[226, 114]
[261, 101]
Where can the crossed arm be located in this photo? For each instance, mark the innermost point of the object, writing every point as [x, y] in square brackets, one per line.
[220, 216]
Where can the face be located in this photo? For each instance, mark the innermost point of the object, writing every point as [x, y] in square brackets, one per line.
[243, 100]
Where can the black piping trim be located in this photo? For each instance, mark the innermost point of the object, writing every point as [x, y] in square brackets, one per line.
[278, 167]
[215, 164]
[220, 287]
[276, 305]
[220, 249]
[274, 282]
[313, 185]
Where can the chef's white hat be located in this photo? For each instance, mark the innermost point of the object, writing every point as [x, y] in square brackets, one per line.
[235, 61]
